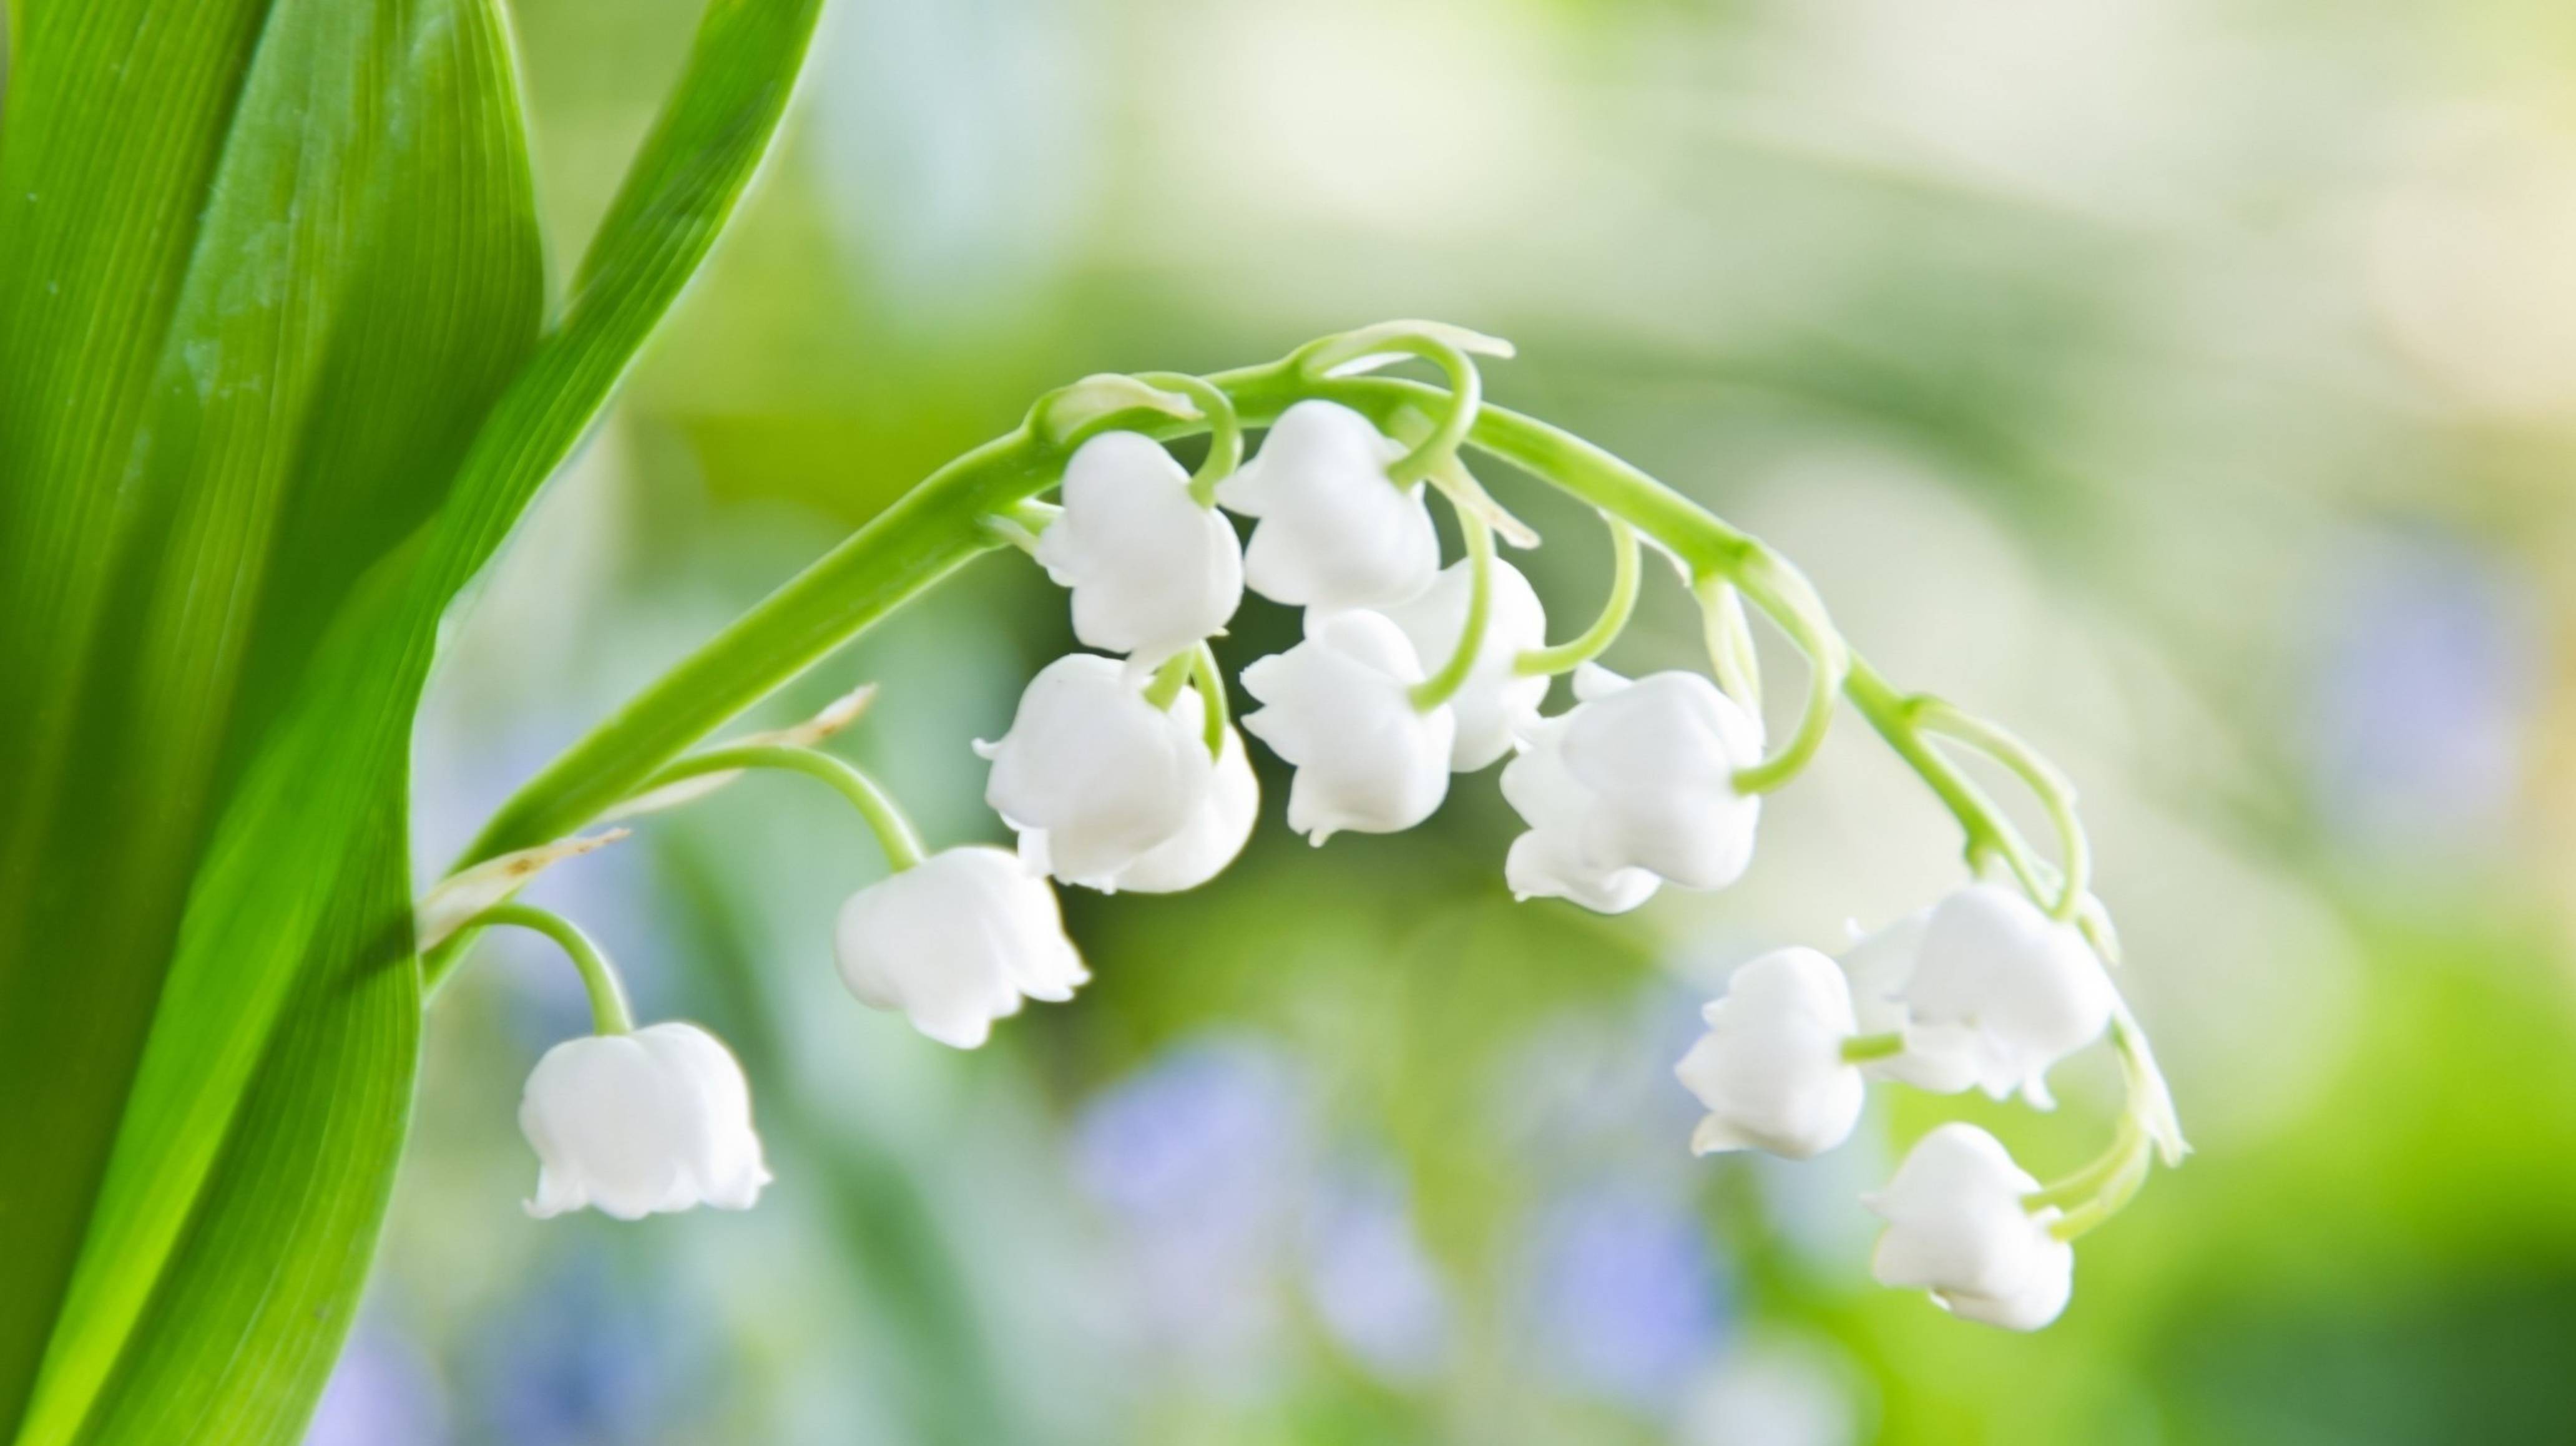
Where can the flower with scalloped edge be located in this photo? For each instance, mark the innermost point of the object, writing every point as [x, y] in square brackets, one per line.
[633, 1124]
[1093, 775]
[1152, 572]
[956, 942]
[1339, 706]
[1634, 787]
[1958, 1227]
[2000, 991]
[1496, 703]
[1770, 1070]
[1331, 530]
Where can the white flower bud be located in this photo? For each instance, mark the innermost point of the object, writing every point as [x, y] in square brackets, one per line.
[1339, 706]
[955, 942]
[1634, 787]
[1092, 775]
[1771, 1069]
[1215, 833]
[634, 1124]
[1333, 531]
[1496, 703]
[2005, 991]
[1957, 1227]
[1152, 572]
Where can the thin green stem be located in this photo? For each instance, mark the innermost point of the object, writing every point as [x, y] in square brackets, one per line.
[1442, 686]
[1022, 523]
[1225, 431]
[1784, 593]
[1862, 1048]
[2055, 792]
[894, 832]
[1169, 680]
[1212, 699]
[1457, 414]
[1626, 572]
[1728, 635]
[608, 1011]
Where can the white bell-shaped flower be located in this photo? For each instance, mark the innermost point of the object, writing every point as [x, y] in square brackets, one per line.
[633, 1124]
[1215, 833]
[1152, 572]
[955, 942]
[2004, 990]
[1771, 1069]
[1339, 706]
[1332, 530]
[1092, 775]
[1496, 704]
[1878, 968]
[1634, 787]
[1957, 1227]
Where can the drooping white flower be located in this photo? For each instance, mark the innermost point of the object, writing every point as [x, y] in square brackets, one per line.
[1215, 833]
[1957, 1227]
[1332, 530]
[1878, 967]
[1495, 704]
[1634, 787]
[633, 1124]
[1771, 1069]
[1092, 775]
[1339, 706]
[955, 942]
[1152, 572]
[2004, 990]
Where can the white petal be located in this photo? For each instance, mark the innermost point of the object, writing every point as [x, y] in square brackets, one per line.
[1212, 837]
[955, 942]
[2023, 990]
[1339, 707]
[1333, 531]
[1770, 1069]
[632, 1124]
[1102, 773]
[1152, 572]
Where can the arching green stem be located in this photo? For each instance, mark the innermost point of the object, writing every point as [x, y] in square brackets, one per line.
[1729, 636]
[1437, 345]
[1225, 430]
[894, 832]
[1212, 699]
[2055, 792]
[1626, 570]
[1440, 687]
[608, 1011]
[1784, 593]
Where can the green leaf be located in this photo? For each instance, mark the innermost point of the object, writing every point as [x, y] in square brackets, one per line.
[347, 406]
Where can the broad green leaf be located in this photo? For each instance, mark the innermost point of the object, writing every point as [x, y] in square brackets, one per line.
[250, 1173]
[253, 374]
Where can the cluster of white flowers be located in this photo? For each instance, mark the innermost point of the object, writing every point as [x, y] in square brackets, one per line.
[1983, 989]
[1123, 770]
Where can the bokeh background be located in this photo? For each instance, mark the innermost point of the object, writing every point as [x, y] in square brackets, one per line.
[2188, 384]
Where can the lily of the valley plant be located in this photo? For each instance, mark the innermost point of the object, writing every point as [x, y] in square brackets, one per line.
[1125, 769]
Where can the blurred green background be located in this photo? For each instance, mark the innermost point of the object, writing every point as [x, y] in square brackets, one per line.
[2188, 385]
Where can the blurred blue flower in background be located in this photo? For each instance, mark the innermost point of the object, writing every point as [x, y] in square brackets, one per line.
[1373, 1287]
[1201, 1157]
[1625, 1299]
[584, 1359]
[382, 1393]
[2430, 669]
